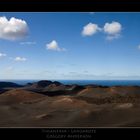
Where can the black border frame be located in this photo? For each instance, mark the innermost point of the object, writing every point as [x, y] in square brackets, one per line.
[69, 6]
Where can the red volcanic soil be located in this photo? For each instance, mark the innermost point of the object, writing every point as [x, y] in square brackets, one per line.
[18, 96]
[70, 106]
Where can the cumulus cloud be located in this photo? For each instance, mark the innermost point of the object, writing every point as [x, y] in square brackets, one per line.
[28, 43]
[13, 29]
[20, 59]
[90, 29]
[2, 55]
[113, 30]
[53, 45]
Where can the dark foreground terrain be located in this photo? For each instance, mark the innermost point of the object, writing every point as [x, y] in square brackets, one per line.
[52, 104]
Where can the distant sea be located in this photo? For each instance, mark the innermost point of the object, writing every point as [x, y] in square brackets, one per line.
[86, 82]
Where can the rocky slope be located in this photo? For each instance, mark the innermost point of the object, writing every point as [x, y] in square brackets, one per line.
[52, 104]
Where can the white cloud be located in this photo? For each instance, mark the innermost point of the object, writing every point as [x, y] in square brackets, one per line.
[113, 30]
[20, 59]
[53, 45]
[28, 43]
[3, 54]
[90, 29]
[13, 28]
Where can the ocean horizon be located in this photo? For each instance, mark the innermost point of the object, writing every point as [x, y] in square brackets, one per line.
[84, 82]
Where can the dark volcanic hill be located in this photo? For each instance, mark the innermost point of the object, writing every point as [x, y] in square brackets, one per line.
[42, 84]
[55, 88]
[9, 85]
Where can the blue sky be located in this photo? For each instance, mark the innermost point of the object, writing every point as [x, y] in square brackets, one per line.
[69, 45]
